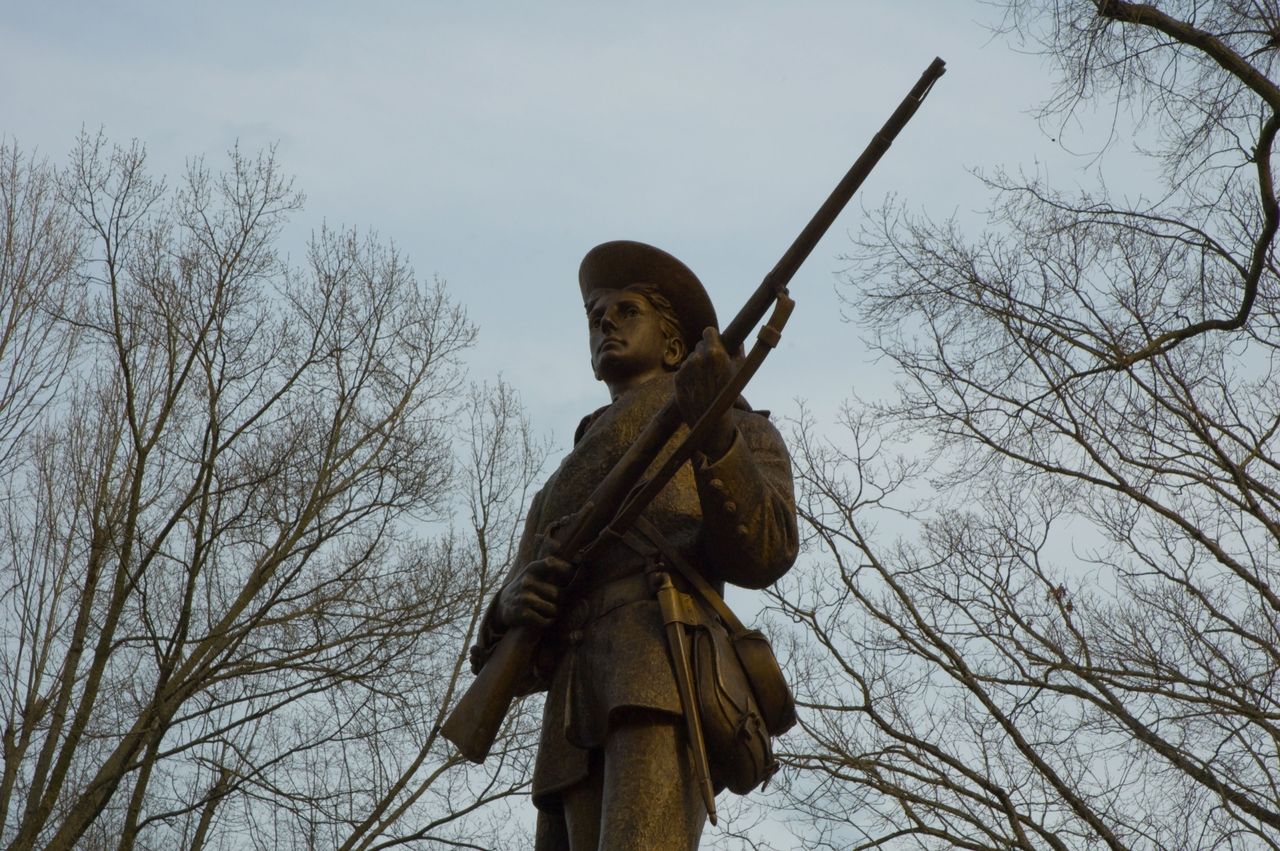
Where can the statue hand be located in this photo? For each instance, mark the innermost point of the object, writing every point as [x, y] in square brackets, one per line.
[533, 597]
[699, 380]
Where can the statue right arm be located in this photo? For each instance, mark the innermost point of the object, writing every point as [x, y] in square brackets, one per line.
[528, 596]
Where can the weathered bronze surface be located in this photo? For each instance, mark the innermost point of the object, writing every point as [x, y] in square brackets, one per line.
[615, 767]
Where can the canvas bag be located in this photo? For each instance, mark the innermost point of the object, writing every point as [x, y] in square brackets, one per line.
[743, 697]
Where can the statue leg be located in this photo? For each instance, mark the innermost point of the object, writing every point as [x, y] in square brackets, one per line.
[552, 834]
[650, 801]
[581, 810]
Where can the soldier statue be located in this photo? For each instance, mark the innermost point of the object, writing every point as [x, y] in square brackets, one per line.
[615, 768]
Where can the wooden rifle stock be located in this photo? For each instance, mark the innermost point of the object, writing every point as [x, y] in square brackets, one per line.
[474, 722]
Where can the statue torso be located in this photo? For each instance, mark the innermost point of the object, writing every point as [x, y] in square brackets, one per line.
[675, 512]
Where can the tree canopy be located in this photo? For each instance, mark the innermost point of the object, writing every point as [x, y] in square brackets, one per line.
[1043, 611]
[224, 623]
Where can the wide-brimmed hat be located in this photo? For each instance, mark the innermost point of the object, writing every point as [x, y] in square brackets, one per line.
[621, 263]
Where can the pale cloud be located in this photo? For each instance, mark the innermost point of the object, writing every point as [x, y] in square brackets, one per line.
[496, 142]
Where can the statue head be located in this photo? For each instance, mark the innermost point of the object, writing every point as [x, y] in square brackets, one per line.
[646, 311]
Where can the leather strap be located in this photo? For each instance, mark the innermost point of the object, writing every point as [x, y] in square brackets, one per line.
[696, 579]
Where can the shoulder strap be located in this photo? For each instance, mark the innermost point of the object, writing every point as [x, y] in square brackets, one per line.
[672, 557]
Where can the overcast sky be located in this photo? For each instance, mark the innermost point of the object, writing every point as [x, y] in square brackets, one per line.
[497, 142]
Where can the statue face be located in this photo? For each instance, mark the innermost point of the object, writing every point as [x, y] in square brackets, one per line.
[627, 340]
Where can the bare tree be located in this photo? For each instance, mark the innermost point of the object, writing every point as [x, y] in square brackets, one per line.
[1044, 610]
[39, 290]
[220, 626]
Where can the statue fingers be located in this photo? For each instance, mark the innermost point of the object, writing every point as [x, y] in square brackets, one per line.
[710, 341]
[714, 355]
[552, 569]
[542, 590]
[534, 610]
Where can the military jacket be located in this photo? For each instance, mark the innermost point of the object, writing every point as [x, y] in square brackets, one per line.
[732, 518]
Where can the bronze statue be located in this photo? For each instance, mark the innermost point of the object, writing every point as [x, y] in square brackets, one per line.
[657, 695]
[615, 766]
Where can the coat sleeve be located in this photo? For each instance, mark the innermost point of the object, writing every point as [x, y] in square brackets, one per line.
[749, 535]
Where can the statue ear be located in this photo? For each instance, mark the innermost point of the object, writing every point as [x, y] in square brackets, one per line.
[674, 355]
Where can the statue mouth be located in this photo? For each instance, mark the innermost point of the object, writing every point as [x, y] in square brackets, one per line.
[616, 342]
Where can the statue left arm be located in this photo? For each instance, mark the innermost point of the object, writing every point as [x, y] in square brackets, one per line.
[749, 535]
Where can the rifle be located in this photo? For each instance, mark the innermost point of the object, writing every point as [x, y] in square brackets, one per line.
[623, 493]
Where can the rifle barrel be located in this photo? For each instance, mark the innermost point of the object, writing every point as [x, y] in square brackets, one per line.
[735, 333]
